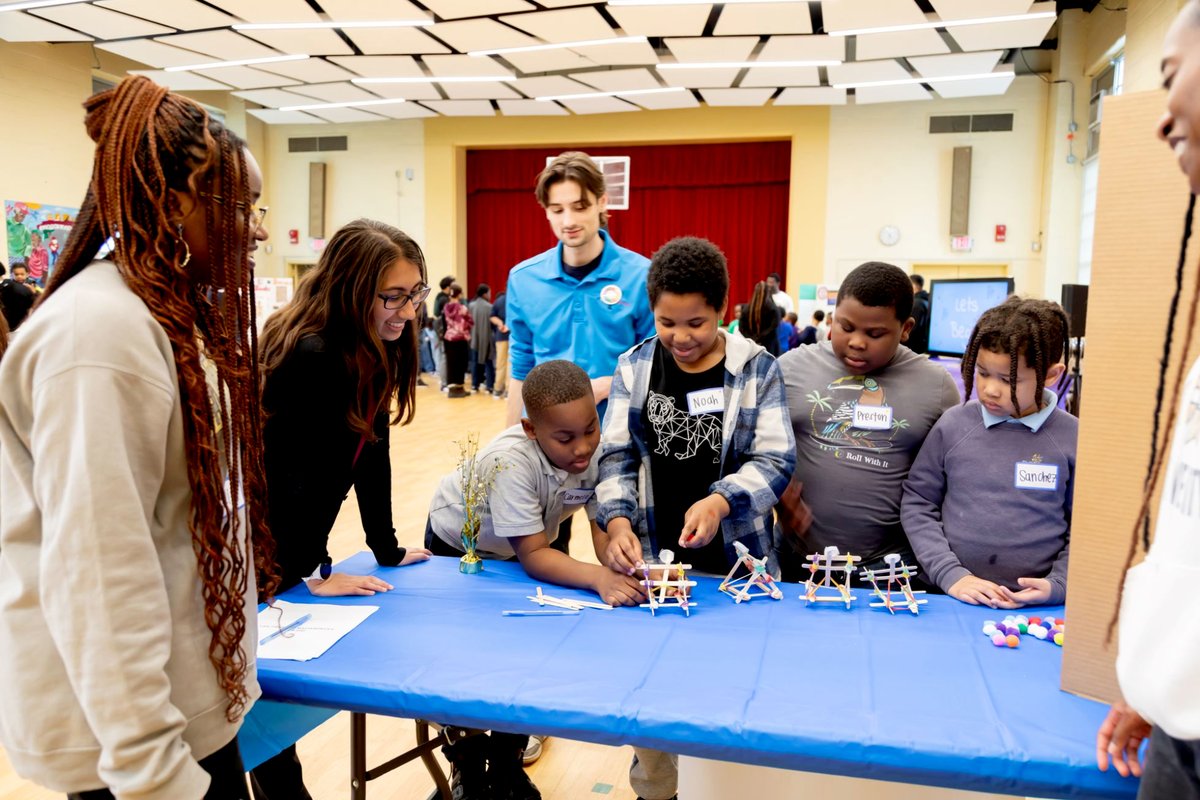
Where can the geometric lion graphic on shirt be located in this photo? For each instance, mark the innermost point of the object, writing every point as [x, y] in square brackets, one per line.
[671, 424]
[832, 417]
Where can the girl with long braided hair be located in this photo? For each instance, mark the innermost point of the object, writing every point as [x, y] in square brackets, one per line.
[987, 504]
[760, 319]
[1158, 660]
[128, 409]
[339, 367]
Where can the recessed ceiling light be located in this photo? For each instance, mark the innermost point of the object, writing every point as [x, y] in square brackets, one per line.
[564, 45]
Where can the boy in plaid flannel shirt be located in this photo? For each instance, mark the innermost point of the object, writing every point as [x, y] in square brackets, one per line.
[697, 443]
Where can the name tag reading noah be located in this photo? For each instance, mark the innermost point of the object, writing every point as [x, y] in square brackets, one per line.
[577, 497]
[872, 418]
[1041, 477]
[706, 401]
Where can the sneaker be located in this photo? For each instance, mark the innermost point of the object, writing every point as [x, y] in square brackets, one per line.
[468, 770]
[533, 750]
[457, 390]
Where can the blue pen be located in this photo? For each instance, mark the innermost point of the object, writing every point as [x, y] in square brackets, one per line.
[286, 628]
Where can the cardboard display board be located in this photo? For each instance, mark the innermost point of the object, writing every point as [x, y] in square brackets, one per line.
[1140, 206]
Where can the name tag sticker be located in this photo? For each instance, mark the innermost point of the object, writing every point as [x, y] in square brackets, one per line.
[872, 418]
[577, 497]
[706, 401]
[1039, 477]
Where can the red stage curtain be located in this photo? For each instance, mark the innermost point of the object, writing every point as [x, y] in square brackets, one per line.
[735, 195]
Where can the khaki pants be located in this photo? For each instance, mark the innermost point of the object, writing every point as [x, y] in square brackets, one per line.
[501, 367]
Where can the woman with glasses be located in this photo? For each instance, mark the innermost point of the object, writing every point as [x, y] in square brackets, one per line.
[339, 367]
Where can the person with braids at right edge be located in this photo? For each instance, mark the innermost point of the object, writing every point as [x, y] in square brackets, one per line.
[987, 503]
[128, 404]
[1158, 660]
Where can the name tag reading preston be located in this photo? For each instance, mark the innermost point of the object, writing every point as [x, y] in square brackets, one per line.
[1039, 477]
[577, 497]
[706, 401]
[872, 418]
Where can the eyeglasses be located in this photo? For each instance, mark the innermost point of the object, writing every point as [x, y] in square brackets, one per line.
[258, 214]
[394, 302]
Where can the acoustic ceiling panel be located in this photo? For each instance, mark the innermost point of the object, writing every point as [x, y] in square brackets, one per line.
[182, 81]
[726, 48]
[530, 108]
[803, 48]
[599, 105]
[867, 71]
[274, 116]
[811, 96]
[337, 92]
[899, 44]
[478, 91]
[462, 108]
[457, 9]
[967, 9]
[688, 20]
[345, 115]
[840, 15]
[381, 66]
[547, 61]
[1004, 35]
[659, 102]
[100, 22]
[956, 64]
[979, 87]
[247, 78]
[408, 91]
[465, 66]
[310, 70]
[481, 34]
[756, 18]
[403, 111]
[274, 98]
[144, 51]
[223, 45]
[548, 85]
[563, 25]
[384, 41]
[699, 78]
[619, 80]
[269, 10]
[736, 97]
[619, 55]
[782, 76]
[18, 27]
[307, 42]
[184, 15]
[359, 10]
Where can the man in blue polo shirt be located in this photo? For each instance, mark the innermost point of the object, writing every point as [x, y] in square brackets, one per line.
[584, 300]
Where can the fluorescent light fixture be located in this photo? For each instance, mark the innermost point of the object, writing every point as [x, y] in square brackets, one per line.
[587, 95]
[242, 62]
[746, 64]
[942, 79]
[319, 106]
[435, 79]
[28, 4]
[305, 26]
[533, 48]
[944, 23]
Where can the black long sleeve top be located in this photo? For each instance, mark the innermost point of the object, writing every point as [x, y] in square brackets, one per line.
[309, 454]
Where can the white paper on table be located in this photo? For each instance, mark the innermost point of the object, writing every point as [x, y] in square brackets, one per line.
[311, 639]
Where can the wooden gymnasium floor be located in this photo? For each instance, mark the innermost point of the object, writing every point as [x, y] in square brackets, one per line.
[421, 453]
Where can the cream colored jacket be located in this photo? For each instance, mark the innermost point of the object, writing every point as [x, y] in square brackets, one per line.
[105, 677]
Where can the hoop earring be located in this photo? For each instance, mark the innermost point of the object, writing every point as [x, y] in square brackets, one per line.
[187, 251]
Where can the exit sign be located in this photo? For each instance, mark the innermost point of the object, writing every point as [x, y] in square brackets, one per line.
[961, 244]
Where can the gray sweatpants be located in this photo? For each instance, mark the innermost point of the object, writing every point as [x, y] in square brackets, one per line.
[1172, 769]
[654, 775]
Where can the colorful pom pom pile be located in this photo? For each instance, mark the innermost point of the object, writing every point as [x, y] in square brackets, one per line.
[1008, 632]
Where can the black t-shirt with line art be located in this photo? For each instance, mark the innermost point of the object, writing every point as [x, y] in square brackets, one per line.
[685, 454]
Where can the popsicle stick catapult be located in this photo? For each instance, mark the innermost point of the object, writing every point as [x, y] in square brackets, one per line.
[565, 602]
[758, 578]
[898, 575]
[667, 591]
[830, 563]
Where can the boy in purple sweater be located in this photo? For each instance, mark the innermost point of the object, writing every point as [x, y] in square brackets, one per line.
[987, 504]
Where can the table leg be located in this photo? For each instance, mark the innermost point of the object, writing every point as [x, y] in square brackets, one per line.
[358, 756]
[431, 764]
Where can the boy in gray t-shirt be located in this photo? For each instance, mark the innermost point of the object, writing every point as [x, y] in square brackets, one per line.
[861, 404]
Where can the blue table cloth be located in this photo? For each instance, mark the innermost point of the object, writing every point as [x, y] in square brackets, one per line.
[859, 692]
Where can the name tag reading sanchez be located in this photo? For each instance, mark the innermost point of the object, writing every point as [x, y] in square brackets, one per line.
[872, 418]
[706, 401]
[1041, 477]
[577, 497]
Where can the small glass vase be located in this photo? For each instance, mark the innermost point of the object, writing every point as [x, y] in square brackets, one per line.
[470, 563]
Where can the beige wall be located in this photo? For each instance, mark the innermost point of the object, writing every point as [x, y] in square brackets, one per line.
[1146, 25]
[47, 154]
[367, 180]
[887, 169]
[447, 139]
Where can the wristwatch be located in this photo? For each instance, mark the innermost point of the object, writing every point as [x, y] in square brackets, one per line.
[321, 573]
